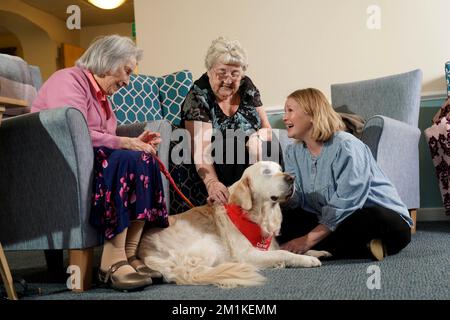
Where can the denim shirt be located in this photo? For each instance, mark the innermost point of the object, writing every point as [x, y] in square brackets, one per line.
[343, 178]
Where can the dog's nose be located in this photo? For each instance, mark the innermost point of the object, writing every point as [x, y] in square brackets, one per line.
[288, 178]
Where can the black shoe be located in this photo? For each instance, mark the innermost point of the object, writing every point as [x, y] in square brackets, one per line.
[127, 282]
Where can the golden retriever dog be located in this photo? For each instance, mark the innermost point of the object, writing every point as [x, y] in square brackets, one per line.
[205, 246]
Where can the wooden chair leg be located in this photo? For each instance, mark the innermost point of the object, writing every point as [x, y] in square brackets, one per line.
[6, 276]
[413, 214]
[81, 261]
[2, 109]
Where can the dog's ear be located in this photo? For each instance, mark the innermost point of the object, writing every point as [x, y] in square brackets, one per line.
[242, 194]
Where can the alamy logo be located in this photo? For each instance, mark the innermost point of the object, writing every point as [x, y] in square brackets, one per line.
[374, 19]
[74, 280]
[74, 20]
[374, 280]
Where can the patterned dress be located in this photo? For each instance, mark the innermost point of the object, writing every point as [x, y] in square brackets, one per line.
[438, 139]
[201, 105]
[127, 186]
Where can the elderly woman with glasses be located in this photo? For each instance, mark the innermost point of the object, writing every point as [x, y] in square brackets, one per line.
[224, 99]
[128, 192]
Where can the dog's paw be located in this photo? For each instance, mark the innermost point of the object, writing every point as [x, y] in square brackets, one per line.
[279, 265]
[312, 262]
[318, 254]
[304, 261]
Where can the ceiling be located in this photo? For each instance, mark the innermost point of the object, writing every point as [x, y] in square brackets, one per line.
[90, 15]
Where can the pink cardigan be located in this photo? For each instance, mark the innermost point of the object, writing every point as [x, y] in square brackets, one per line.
[72, 87]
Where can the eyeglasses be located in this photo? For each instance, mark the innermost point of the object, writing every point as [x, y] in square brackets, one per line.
[223, 74]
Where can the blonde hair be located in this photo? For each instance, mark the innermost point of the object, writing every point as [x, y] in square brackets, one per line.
[326, 121]
[226, 51]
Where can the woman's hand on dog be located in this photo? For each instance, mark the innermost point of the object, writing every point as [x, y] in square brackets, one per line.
[302, 244]
[217, 193]
[298, 245]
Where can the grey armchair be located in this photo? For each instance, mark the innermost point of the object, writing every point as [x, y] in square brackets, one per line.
[390, 106]
[46, 171]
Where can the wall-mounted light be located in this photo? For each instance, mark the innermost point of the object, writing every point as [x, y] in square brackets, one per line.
[107, 4]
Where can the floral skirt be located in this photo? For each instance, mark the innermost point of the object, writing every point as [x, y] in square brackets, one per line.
[127, 187]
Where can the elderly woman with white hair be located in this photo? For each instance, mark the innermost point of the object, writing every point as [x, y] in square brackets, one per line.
[224, 99]
[128, 192]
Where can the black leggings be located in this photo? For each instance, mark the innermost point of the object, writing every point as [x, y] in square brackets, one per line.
[351, 237]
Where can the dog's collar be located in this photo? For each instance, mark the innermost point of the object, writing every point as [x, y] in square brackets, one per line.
[248, 228]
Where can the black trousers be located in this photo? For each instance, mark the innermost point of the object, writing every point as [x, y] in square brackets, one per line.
[351, 237]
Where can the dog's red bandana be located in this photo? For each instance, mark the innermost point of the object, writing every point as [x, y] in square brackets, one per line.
[248, 228]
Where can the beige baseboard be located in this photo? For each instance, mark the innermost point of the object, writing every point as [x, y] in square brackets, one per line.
[431, 214]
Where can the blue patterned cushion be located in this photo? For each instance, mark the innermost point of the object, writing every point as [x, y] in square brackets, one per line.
[173, 89]
[137, 102]
[447, 76]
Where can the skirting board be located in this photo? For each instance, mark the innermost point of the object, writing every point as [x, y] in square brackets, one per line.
[431, 214]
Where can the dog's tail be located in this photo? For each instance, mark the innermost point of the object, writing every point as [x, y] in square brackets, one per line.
[227, 275]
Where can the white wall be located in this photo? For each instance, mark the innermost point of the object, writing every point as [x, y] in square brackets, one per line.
[299, 43]
[87, 34]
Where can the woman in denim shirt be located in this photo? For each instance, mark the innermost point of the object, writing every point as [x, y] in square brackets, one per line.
[343, 203]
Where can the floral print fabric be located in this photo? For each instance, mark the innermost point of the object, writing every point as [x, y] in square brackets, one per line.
[201, 105]
[127, 186]
[438, 138]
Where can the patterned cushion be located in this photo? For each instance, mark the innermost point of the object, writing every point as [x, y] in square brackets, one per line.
[447, 76]
[173, 88]
[137, 102]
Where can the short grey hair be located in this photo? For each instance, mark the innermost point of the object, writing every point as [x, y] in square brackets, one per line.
[226, 51]
[108, 54]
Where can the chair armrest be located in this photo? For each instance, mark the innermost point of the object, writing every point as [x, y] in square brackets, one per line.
[395, 146]
[165, 129]
[161, 126]
[46, 171]
[131, 130]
